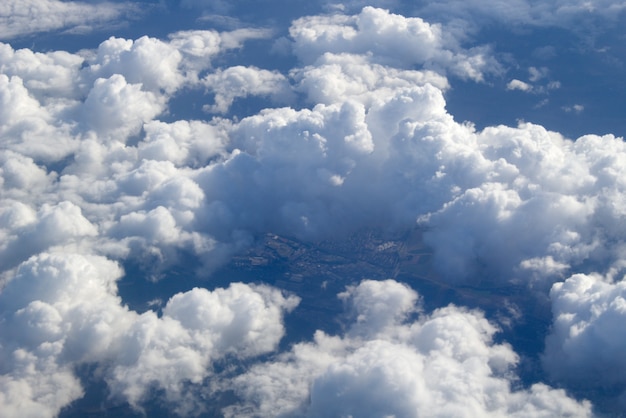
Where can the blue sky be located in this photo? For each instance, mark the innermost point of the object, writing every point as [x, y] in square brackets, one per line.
[145, 144]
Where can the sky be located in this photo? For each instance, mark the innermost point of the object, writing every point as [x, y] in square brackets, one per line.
[142, 139]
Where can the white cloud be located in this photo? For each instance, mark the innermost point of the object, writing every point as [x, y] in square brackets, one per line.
[388, 39]
[62, 310]
[335, 77]
[117, 109]
[240, 82]
[49, 75]
[442, 364]
[562, 13]
[184, 143]
[197, 328]
[25, 17]
[516, 84]
[577, 108]
[583, 349]
[536, 74]
[29, 128]
[88, 168]
[147, 61]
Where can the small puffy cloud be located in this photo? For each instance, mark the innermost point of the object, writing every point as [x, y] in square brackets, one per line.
[240, 82]
[199, 47]
[544, 88]
[536, 74]
[25, 17]
[577, 108]
[516, 84]
[442, 364]
[379, 305]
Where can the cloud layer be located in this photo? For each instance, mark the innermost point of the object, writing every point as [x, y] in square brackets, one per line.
[96, 171]
[20, 18]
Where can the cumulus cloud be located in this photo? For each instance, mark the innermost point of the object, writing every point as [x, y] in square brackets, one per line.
[240, 82]
[440, 364]
[50, 75]
[389, 39]
[584, 345]
[61, 310]
[516, 84]
[25, 17]
[337, 76]
[377, 147]
[94, 169]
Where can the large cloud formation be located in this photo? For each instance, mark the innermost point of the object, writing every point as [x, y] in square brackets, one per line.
[96, 171]
[442, 364]
[62, 310]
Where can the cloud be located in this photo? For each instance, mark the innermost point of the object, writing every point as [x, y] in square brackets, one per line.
[116, 109]
[197, 328]
[577, 108]
[47, 76]
[586, 339]
[519, 12]
[95, 168]
[535, 75]
[335, 77]
[440, 364]
[183, 143]
[375, 147]
[516, 84]
[29, 128]
[240, 82]
[389, 39]
[147, 61]
[61, 310]
[26, 17]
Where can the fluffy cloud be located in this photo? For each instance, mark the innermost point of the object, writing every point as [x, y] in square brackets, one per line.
[516, 84]
[335, 77]
[62, 310]
[239, 81]
[117, 109]
[584, 345]
[94, 164]
[441, 364]
[50, 75]
[388, 39]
